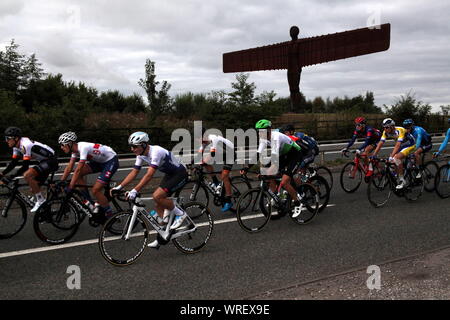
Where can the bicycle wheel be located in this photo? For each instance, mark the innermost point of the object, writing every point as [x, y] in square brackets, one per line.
[309, 203]
[322, 189]
[13, 214]
[429, 172]
[114, 248]
[200, 219]
[442, 181]
[350, 177]
[379, 188]
[192, 191]
[238, 186]
[56, 221]
[414, 184]
[253, 210]
[326, 173]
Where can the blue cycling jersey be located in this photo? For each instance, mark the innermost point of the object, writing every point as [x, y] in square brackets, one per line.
[421, 136]
[444, 143]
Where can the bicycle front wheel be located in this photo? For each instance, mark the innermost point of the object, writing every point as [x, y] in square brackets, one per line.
[56, 221]
[13, 214]
[201, 223]
[115, 248]
[429, 172]
[322, 189]
[325, 173]
[309, 204]
[379, 188]
[415, 184]
[351, 177]
[253, 210]
[442, 181]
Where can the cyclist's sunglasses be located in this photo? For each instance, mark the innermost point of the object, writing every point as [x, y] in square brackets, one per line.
[9, 138]
[135, 146]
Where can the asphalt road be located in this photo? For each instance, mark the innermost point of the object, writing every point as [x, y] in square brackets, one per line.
[234, 264]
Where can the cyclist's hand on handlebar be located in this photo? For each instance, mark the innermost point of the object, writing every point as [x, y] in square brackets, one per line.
[244, 171]
[436, 154]
[344, 152]
[116, 190]
[133, 194]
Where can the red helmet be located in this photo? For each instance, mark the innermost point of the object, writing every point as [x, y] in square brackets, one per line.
[360, 120]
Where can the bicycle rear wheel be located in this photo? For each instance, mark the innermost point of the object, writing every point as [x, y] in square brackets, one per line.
[442, 181]
[253, 210]
[322, 189]
[13, 214]
[114, 248]
[325, 173]
[56, 221]
[200, 218]
[350, 178]
[238, 186]
[309, 200]
[379, 188]
[414, 184]
[429, 172]
[192, 191]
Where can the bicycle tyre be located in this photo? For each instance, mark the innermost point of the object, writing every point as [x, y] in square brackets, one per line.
[323, 189]
[253, 217]
[104, 239]
[442, 181]
[195, 241]
[344, 172]
[310, 199]
[326, 173]
[430, 170]
[188, 194]
[20, 212]
[379, 182]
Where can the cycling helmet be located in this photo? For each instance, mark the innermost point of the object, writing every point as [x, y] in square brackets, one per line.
[388, 122]
[263, 124]
[408, 123]
[67, 137]
[360, 120]
[13, 132]
[138, 138]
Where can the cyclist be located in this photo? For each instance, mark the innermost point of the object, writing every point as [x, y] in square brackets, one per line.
[175, 178]
[423, 141]
[226, 148]
[93, 158]
[444, 143]
[404, 146]
[372, 137]
[307, 143]
[286, 152]
[30, 150]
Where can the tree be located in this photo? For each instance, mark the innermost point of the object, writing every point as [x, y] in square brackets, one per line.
[158, 100]
[244, 92]
[407, 107]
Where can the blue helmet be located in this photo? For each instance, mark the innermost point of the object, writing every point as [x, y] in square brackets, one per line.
[408, 123]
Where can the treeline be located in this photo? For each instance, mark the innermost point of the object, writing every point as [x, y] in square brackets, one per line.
[44, 105]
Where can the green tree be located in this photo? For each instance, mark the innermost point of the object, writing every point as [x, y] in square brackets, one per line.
[159, 100]
[244, 92]
[406, 107]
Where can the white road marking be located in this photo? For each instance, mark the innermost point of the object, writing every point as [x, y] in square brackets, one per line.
[94, 241]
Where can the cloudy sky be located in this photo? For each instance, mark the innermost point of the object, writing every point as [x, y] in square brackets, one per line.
[105, 43]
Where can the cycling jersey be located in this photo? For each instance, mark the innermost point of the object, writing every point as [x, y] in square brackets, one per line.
[400, 134]
[30, 149]
[446, 140]
[161, 159]
[371, 134]
[421, 136]
[306, 142]
[216, 141]
[279, 143]
[88, 151]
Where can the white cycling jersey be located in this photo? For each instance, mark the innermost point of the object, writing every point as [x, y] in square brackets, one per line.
[88, 151]
[30, 149]
[217, 141]
[161, 159]
[279, 143]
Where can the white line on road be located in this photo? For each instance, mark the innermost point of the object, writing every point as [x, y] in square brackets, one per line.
[94, 241]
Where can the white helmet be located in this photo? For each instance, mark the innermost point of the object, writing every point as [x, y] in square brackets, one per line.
[138, 138]
[388, 122]
[67, 137]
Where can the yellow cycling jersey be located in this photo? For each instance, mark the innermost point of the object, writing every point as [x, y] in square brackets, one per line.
[399, 133]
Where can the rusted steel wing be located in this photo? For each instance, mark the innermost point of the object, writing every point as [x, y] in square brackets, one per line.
[309, 51]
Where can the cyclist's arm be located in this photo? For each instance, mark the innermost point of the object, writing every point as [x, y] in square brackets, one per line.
[76, 174]
[352, 140]
[68, 169]
[10, 167]
[130, 177]
[445, 142]
[396, 148]
[377, 149]
[145, 179]
[419, 140]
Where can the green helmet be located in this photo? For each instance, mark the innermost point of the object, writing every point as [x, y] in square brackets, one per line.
[263, 124]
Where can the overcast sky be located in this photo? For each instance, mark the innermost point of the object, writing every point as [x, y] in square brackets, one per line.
[105, 43]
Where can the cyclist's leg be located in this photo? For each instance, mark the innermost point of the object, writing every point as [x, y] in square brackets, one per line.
[108, 170]
[226, 179]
